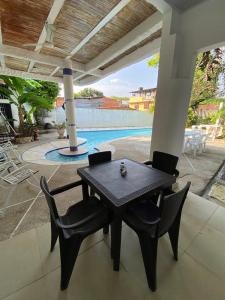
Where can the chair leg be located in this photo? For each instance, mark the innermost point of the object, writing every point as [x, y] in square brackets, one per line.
[106, 229]
[155, 198]
[68, 253]
[174, 236]
[149, 254]
[111, 232]
[54, 234]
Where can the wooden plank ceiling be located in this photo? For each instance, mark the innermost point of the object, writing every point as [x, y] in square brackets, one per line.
[22, 22]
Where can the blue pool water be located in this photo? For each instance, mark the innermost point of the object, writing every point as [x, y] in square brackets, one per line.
[97, 137]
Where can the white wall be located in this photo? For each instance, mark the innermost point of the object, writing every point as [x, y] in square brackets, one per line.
[14, 112]
[98, 118]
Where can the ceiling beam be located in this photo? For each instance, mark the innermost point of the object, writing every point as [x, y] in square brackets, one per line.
[160, 5]
[100, 25]
[136, 56]
[135, 36]
[54, 71]
[2, 58]
[54, 12]
[43, 58]
[28, 75]
[31, 55]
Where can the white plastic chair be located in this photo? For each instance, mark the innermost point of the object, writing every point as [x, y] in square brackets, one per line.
[11, 151]
[204, 140]
[195, 142]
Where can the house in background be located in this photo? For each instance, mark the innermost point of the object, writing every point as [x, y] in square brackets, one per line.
[110, 103]
[142, 99]
[207, 109]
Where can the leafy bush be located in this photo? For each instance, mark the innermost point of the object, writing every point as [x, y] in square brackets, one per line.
[192, 118]
[152, 108]
[207, 120]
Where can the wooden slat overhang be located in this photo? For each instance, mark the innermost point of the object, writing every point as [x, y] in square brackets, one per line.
[86, 30]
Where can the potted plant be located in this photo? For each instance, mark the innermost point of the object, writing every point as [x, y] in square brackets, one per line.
[25, 134]
[61, 129]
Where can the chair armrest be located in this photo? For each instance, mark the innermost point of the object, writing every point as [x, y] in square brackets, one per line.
[147, 162]
[66, 187]
[176, 173]
[80, 223]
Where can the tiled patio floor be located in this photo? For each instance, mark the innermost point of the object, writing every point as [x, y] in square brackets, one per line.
[29, 271]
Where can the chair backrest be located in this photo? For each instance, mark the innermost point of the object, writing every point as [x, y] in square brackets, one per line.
[99, 157]
[49, 198]
[196, 137]
[171, 208]
[164, 162]
[3, 156]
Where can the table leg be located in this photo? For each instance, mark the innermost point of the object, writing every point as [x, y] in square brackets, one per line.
[116, 228]
[85, 191]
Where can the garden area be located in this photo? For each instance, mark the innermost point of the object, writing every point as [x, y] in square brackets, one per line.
[31, 99]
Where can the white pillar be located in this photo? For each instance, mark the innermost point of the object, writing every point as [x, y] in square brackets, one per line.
[176, 69]
[70, 104]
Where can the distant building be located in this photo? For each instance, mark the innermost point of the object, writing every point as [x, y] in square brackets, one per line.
[110, 103]
[96, 102]
[206, 110]
[142, 99]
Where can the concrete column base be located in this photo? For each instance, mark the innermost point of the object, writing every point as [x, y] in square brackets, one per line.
[68, 152]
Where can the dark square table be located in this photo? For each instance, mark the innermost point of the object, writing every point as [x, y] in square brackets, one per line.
[118, 191]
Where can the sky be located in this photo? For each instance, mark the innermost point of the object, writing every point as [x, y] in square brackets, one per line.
[126, 80]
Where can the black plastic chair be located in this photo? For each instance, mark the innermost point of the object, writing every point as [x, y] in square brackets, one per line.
[81, 219]
[151, 222]
[95, 159]
[164, 162]
[99, 157]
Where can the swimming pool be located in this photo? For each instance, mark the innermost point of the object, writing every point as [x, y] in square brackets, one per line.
[97, 137]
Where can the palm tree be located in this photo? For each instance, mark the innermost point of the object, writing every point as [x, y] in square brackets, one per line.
[20, 92]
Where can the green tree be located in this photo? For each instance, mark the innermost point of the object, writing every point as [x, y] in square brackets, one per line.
[209, 66]
[51, 89]
[88, 93]
[21, 92]
[154, 61]
[47, 89]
